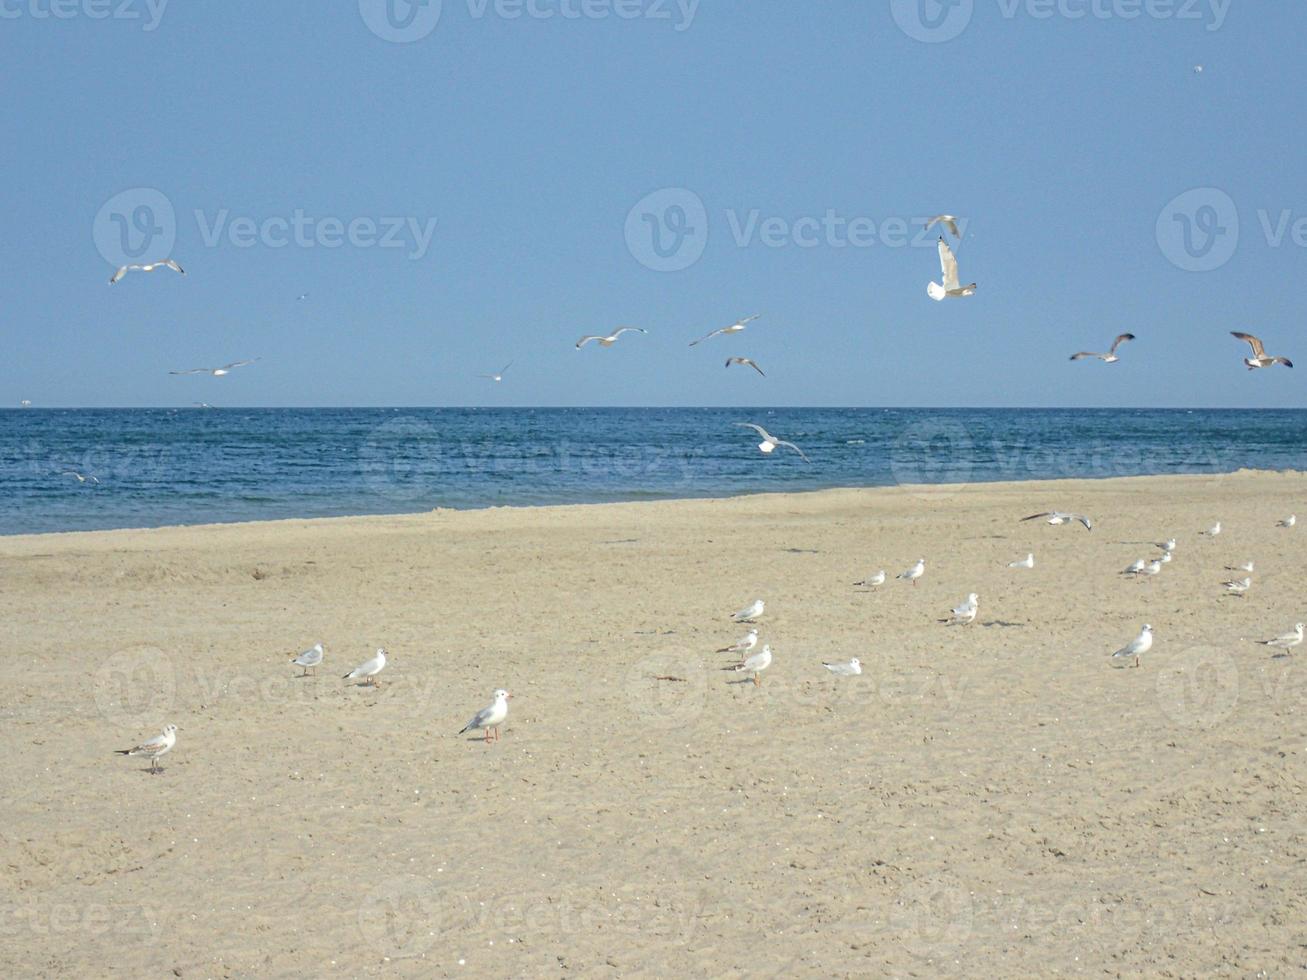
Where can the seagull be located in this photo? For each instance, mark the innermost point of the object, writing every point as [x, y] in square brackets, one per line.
[301, 297]
[751, 613]
[610, 339]
[949, 287]
[1213, 531]
[915, 572]
[1026, 562]
[25, 403]
[877, 579]
[1289, 521]
[755, 665]
[1259, 358]
[949, 221]
[1137, 647]
[742, 646]
[770, 442]
[851, 669]
[491, 716]
[1238, 588]
[155, 748]
[1168, 545]
[1164, 558]
[735, 327]
[309, 658]
[79, 476]
[369, 669]
[1151, 569]
[1247, 566]
[1108, 358]
[1136, 567]
[965, 613]
[746, 361]
[1288, 641]
[217, 372]
[1057, 517]
[498, 376]
[165, 264]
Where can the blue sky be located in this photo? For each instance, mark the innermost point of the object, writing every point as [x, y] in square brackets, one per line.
[529, 139]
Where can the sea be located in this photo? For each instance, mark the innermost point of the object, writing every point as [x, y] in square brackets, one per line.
[88, 469]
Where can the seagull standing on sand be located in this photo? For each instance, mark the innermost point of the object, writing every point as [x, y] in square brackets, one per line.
[751, 613]
[735, 327]
[218, 372]
[1289, 521]
[851, 669]
[610, 339]
[949, 221]
[1137, 647]
[965, 614]
[1239, 588]
[755, 665]
[770, 442]
[1247, 566]
[1136, 567]
[1213, 531]
[744, 645]
[873, 581]
[746, 362]
[499, 376]
[1026, 562]
[151, 267]
[490, 717]
[1152, 569]
[950, 286]
[369, 670]
[1168, 545]
[309, 658]
[156, 748]
[1288, 641]
[1259, 358]
[1110, 356]
[915, 572]
[1057, 517]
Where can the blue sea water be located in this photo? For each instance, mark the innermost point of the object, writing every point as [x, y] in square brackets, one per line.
[188, 466]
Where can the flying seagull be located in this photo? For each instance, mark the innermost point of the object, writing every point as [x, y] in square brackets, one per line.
[490, 717]
[165, 264]
[770, 442]
[80, 478]
[309, 658]
[499, 375]
[1056, 517]
[950, 286]
[735, 327]
[949, 221]
[1137, 647]
[155, 748]
[1108, 358]
[25, 403]
[610, 339]
[1259, 358]
[217, 372]
[746, 361]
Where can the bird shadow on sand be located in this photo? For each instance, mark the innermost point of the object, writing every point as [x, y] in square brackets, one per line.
[1003, 625]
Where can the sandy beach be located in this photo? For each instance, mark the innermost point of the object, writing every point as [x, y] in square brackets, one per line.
[989, 800]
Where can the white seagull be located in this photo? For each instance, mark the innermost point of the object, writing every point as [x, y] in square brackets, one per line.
[874, 580]
[1026, 562]
[1259, 358]
[155, 748]
[1137, 647]
[735, 327]
[309, 658]
[1247, 566]
[1168, 545]
[949, 221]
[610, 339]
[1136, 567]
[1152, 569]
[499, 375]
[950, 286]
[1289, 521]
[1288, 641]
[490, 717]
[755, 665]
[1239, 588]
[151, 267]
[369, 669]
[1057, 517]
[851, 669]
[1165, 558]
[744, 645]
[1110, 356]
[965, 613]
[746, 362]
[218, 372]
[25, 403]
[1213, 531]
[79, 476]
[915, 572]
[770, 442]
[752, 612]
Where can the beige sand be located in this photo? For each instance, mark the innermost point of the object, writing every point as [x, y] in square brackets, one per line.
[988, 800]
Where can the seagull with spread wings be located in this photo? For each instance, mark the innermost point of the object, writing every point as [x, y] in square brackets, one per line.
[122, 270]
[1109, 357]
[770, 442]
[746, 362]
[499, 375]
[1259, 358]
[1057, 517]
[735, 327]
[950, 287]
[949, 221]
[610, 339]
[217, 372]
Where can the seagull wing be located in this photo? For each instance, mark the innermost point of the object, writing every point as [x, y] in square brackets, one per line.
[695, 343]
[1285, 361]
[750, 362]
[1035, 517]
[949, 265]
[118, 274]
[1089, 525]
[621, 330]
[1258, 350]
[1081, 355]
[235, 364]
[790, 445]
[586, 339]
[1124, 338]
[172, 264]
[758, 429]
[194, 371]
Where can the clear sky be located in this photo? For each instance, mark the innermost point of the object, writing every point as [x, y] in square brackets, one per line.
[530, 132]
